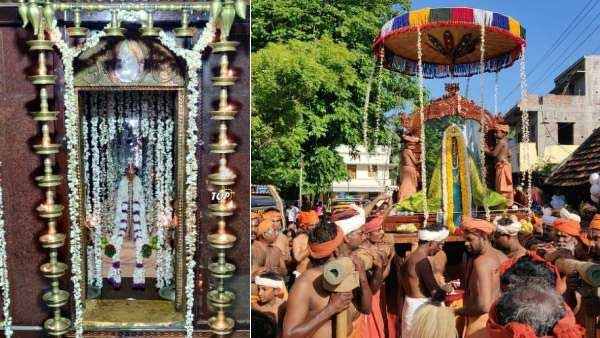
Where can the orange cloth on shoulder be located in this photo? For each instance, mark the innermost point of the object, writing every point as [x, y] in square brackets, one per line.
[566, 327]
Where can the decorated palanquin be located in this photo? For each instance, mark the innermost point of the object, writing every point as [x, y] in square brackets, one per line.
[453, 160]
[118, 124]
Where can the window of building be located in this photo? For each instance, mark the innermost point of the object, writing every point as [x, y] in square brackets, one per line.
[351, 170]
[373, 171]
[565, 133]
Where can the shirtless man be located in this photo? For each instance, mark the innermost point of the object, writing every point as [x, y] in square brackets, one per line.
[502, 154]
[380, 244]
[506, 236]
[282, 242]
[307, 220]
[265, 256]
[418, 281]
[314, 308]
[482, 279]
[438, 264]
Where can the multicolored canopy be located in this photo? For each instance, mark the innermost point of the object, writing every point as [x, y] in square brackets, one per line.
[450, 40]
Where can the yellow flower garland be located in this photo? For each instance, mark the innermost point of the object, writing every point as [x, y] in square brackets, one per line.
[454, 133]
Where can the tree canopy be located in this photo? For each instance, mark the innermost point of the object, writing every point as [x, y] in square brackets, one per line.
[311, 64]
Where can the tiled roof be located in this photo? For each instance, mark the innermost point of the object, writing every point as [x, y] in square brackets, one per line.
[584, 161]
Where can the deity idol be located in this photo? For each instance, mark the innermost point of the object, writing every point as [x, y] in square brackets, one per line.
[129, 224]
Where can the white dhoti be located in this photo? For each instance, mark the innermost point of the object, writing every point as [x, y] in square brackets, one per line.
[411, 305]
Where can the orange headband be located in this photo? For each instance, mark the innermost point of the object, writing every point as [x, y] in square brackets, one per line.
[325, 249]
[264, 226]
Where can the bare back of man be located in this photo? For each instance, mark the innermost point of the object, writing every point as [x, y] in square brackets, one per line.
[483, 288]
[312, 306]
[300, 252]
[438, 264]
[410, 281]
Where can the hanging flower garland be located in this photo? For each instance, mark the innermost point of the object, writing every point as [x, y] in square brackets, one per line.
[481, 117]
[68, 55]
[96, 198]
[422, 120]
[525, 129]
[193, 60]
[194, 63]
[4, 285]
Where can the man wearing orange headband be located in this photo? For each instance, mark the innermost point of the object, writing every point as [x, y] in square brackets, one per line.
[314, 307]
[255, 220]
[502, 154]
[282, 241]
[569, 242]
[569, 239]
[482, 280]
[380, 246]
[594, 234]
[307, 220]
[265, 256]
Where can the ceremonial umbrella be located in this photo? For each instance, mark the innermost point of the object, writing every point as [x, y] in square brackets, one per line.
[452, 42]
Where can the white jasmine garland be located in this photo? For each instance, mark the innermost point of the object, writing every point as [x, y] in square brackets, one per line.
[4, 284]
[68, 55]
[96, 196]
[193, 59]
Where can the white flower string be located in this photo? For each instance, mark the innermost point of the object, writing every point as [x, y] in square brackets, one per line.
[4, 284]
[96, 198]
[378, 111]
[422, 119]
[68, 55]
[481, 117]
[496, 94]
[193, 59]
[525, 128]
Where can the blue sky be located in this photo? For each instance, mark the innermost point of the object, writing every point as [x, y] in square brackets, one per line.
[545, 21]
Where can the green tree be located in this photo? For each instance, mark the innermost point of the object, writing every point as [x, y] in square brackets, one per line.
[311, 63]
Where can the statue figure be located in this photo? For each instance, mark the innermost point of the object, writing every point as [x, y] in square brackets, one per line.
[410, 175]
[129, 224]
[502, 153]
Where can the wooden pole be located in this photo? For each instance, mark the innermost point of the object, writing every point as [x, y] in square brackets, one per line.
[341, 324]
[589, 272]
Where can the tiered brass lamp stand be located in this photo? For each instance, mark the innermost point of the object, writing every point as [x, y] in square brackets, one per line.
[221, 240]
[41, 16]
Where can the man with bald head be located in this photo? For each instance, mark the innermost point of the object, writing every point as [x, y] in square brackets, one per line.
[482, 279]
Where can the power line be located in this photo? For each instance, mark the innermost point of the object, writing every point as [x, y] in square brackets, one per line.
[570, 27]
[564, 59]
